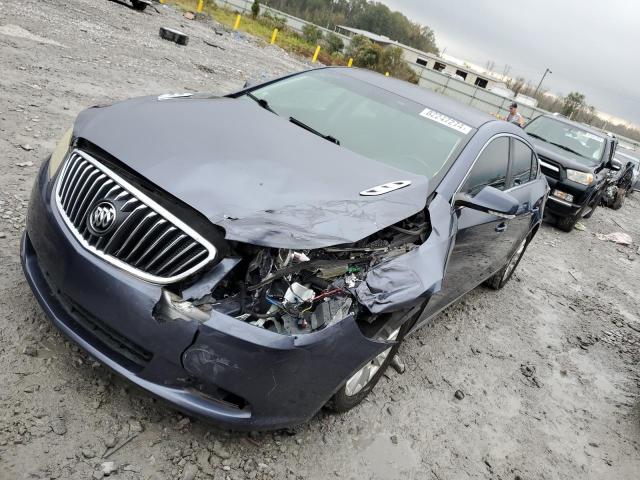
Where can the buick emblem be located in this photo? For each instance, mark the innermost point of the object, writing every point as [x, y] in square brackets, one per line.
[102, 217]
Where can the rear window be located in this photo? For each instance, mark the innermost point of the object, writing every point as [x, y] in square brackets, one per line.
[525, 167]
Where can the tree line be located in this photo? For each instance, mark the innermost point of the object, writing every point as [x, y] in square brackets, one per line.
[365, 15]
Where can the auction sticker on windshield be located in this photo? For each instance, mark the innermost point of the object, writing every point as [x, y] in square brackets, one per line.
[444, 120]
[591, 136]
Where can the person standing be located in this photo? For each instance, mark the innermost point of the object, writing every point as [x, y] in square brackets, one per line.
[514, 116]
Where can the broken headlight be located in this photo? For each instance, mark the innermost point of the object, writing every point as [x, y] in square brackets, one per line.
[60, 152]
[301, 291]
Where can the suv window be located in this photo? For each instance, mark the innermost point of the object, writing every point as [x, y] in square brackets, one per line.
[490, 168]
[525, 166]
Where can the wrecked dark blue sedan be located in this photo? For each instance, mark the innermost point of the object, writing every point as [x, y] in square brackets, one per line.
[254, 257]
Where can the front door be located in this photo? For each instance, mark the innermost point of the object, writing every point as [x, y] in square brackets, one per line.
[483, 241]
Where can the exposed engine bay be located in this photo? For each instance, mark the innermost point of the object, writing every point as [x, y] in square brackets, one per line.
[295, 292]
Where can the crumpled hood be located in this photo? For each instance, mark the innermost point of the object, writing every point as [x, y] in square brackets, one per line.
[261, 178]
[563, 157]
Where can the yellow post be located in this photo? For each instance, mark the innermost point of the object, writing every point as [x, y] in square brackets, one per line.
[350, 64]
[386, 74]
[315, 55]
[237, 24]
[200, 6]
[162, 1]
[274, 36]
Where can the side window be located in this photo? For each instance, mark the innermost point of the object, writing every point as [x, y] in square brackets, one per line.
[490, 168]
[525, 166]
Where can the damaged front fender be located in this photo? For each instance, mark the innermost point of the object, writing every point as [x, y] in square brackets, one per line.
[408, 280]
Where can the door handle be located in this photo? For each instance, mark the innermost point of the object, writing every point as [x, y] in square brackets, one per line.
[501, 227]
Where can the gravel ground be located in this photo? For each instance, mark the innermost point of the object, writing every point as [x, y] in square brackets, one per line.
[548, 366]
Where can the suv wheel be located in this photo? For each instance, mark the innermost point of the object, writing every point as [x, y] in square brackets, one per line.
[566, 224]
[501, 278]
[618, 200]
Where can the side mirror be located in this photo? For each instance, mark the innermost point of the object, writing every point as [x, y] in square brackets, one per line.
[489, 200]
[615, 165]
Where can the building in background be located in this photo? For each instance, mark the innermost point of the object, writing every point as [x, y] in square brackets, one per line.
[422, 59]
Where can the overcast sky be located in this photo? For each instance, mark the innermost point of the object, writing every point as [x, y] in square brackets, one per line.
[590, 46]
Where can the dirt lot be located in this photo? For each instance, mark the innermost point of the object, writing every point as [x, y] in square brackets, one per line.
[548, 366]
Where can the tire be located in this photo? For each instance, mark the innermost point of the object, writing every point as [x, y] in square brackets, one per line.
[138, 5]
[344, 400]
[566, 224]
[503, 276]
[174, 36]
[618, 200]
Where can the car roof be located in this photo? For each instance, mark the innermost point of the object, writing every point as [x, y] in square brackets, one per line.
[581, 126]
[435, 101]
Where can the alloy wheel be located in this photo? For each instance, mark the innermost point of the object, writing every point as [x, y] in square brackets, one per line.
[362, 377]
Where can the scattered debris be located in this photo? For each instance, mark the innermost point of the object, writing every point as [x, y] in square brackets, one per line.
[529, 373]
[580, 226]
[189, 15]
[26, 146]
[215, 45]
[24, 164]
[397, 364]
[30, 350]
[122, 444]
[459, 394]
[394, 439]
[621, 238]
[107, 468]
[175, 36]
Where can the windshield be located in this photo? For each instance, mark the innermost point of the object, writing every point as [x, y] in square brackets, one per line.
[366, 119]
[585, 146]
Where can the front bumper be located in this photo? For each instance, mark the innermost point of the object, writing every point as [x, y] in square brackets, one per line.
[235, 374]
[561, 208]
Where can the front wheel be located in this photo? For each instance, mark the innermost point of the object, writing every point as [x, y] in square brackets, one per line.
[566, 224]
[501, 278]
[361, 383]
[618, 200]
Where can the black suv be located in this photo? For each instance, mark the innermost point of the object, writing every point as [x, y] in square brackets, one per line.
[577, 161]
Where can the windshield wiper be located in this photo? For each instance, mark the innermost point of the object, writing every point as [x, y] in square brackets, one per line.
[297, 122]
[568, 149]
[538, 137]
[261, 101]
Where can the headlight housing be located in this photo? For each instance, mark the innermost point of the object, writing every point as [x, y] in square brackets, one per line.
[60, 152]
[580, 177]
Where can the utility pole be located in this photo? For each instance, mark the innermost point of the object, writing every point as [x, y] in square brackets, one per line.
[541, 80]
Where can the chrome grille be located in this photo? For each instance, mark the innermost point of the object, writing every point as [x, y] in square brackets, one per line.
[140, 236]
[549, 167]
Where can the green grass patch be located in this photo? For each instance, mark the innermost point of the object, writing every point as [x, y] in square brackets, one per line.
[261, 28]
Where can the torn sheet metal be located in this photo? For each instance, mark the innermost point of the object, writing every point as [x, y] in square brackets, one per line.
[409, 279]
[210, 279]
